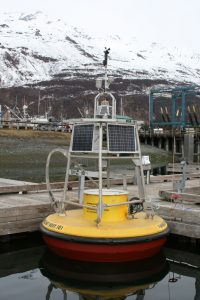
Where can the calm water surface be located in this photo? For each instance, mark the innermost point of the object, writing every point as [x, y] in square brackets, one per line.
[29, 271]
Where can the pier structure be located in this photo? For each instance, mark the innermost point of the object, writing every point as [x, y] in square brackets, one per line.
[184, 144]
[174, 120]
[174, 107]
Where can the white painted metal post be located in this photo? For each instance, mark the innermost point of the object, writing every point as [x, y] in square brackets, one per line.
[100, 203]
[108, 174]
[81, 182]
[148, 176]
[139, 169]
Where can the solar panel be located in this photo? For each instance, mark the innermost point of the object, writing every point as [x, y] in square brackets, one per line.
[121, 138]
[83, 137]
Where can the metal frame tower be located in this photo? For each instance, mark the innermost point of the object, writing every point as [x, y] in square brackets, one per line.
[174, 94]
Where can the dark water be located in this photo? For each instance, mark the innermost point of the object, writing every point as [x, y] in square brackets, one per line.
[29, 271]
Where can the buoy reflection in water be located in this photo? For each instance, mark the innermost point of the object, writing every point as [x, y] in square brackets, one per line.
[102, 280]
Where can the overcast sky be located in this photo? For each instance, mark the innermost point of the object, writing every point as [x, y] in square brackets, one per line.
[173, 22]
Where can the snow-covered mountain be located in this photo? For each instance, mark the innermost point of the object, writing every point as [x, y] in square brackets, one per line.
[36, 48]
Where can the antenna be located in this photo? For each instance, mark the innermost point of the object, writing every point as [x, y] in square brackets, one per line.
[105, 61]
[103, 83]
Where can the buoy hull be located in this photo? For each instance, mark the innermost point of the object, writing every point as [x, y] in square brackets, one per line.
[92, 252]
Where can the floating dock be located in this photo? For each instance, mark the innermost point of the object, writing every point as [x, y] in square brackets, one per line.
[24, 205]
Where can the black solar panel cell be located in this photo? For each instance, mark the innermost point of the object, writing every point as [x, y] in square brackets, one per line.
[121, 138]
[83, 137]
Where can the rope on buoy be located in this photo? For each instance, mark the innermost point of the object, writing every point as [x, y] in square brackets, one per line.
[57, 205]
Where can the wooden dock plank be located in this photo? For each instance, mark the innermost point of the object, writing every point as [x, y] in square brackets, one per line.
[184, 229]
[172, 177]
[11, 182]
[179, 197]
[27, 210]
[28, 187]
[24, 187]
[24, 212]
[20, 226]
[187, 214]
[13, 201]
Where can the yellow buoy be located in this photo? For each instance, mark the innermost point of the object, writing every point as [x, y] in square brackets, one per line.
[109, 196]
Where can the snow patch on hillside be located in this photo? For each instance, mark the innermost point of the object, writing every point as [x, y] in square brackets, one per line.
[34, 47]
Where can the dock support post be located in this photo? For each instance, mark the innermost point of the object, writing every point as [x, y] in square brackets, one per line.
[152, 142]
[167, 144]
[189, 147]
[159, 143]
[182, 148]
[124, 182]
